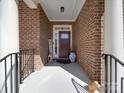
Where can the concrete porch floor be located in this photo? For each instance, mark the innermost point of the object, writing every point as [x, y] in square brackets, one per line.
[55, 78]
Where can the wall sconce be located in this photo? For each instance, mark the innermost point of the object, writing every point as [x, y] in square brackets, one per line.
[62, 9]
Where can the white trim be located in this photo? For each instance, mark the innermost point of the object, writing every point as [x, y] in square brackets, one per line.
[57, 31]
[61, 20]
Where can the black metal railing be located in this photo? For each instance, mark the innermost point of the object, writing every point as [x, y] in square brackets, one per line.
[111, 69]
[122, 85]
[79, 88]
[9, 66]
[26, 63]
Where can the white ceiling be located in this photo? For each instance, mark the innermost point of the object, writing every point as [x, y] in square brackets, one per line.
[52, 9]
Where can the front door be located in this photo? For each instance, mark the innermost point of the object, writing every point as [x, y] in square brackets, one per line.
[64, 44]
[62, 40]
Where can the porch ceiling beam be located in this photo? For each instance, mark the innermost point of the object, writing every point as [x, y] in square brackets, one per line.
[31, 3]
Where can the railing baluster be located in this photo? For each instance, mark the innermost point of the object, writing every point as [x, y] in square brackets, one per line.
[110, 74]
[33, 59]
[11, 77]
[20, 55]
[115, 76]
[8, 62]
[28, 65]
[27, 61]
[31, 64]
[21, 72]
[16, 73]
[24, 63]
[106, 74]
[122, 86]
[115, 65]
[5, 76]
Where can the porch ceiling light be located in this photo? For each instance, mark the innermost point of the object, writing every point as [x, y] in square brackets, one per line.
[62, 9]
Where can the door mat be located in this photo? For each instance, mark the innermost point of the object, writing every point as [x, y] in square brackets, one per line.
[62, 60]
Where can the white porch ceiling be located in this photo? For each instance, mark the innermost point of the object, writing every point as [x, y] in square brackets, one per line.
[52, 8]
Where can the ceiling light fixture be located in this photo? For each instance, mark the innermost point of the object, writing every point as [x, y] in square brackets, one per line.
[62, 9]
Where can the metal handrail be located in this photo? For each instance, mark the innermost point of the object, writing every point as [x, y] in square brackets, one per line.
[119, 61]
[76, 87]
[109, 60]
[12, 73]
[8, 56]
[16, 61]
[26, 60]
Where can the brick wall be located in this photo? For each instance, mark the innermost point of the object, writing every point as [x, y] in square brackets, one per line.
[44, 35]
[88, 38]
[35, 29]
[33, 26]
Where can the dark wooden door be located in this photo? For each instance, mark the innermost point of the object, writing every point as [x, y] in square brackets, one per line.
[64, 44]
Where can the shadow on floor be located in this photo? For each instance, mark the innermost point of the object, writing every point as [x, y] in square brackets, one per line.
[73, 68]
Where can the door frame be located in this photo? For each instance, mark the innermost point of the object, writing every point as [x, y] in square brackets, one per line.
[57, 29]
